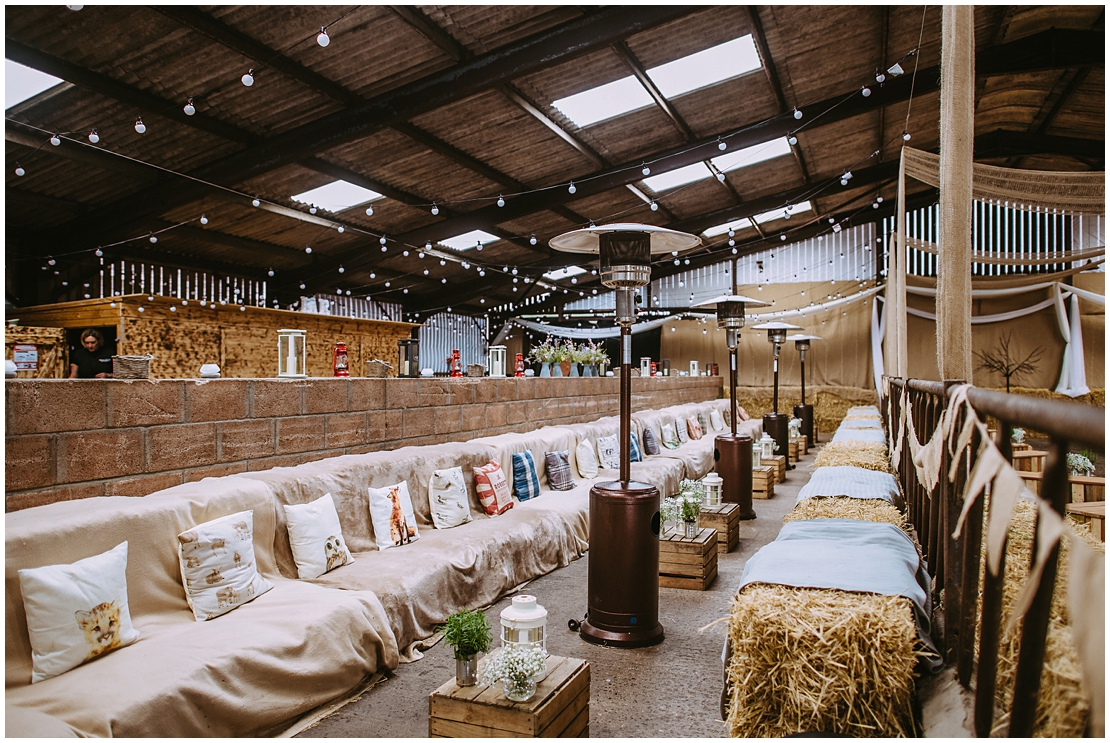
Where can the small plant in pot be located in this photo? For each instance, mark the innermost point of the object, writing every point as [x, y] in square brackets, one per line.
[691, 493]
[468, 633]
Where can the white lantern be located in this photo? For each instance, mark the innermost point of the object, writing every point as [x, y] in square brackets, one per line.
[768, 445]
[693, 368]
[757, 455]
[524, 622]
[291, 353]
[497, 361]
[795, 426]
[645, 366]
[712, 483]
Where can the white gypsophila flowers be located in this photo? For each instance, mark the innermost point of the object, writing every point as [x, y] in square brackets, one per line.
[513, 663]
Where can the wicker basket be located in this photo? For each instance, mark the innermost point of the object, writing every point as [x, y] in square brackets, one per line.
[131, 367]
[475, 370]
[377, 369]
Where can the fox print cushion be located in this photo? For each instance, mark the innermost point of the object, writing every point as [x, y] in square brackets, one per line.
[392, 516]
[316, 537]
[448, 497]
[76, 612]
[494, 492]
[218, 567]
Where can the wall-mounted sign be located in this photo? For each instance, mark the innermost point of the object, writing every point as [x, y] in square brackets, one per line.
[26, 357]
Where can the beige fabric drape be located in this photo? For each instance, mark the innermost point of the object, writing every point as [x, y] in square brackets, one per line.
[995, 259]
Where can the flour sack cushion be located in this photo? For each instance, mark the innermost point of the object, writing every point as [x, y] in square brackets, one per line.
[217, 565]
[608, 452]
[494, 492]
[586, 458]
[392, 516]
[693, 425]
[447, 494]
[316, 537]
[76, 612]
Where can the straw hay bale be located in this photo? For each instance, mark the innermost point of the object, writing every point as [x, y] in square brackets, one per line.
[856, 424]
[870, 456]
[843, 507]
[863, 417]
[1062, 706]
[820, 660]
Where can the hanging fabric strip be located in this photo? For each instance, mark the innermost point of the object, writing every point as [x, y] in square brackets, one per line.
[1066, 191]
[996, 259]
[988, 319]
[1087, 615]
[579, 333]
[1050, 527]
[877, 328]
[1098, 299]
[1013, 281]
[929, 291]
[1073, 371]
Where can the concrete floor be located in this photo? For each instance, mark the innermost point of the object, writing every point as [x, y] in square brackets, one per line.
[671, 690]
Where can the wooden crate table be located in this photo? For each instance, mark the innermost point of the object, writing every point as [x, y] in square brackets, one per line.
[779, 463]
[1095, 513]
[797, 448]
[1021, 447]
[559, 709]
[688, 562]
[1084, 488]
[725, 518]
[1029, 460]
[763, 482]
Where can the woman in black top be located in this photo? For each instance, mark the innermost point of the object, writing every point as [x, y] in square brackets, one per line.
[90, 359]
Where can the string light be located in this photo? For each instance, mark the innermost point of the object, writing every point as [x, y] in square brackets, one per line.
[435, 209]
[380, 239]
[906, 136]
[270, 272]
[342, 270]
[153, 238]
[19, 170]
[55, 140]
[369, 210]
[189, 109]
[405, 253]
[531, 240]
[99, 252]
[307, 248]
[203, 219]
[500, 200]
[341, 229]
[792, 140]
[866, 91]
[248, 78]
[312, 209]
[654, 206]
[140, 127]
[478, 247]
[797, 113]
[572, 189]
[645, 169]
[256, 202]
[879, 77]
[721, 145]
[302, 285]
[322, 38]
[94, 137]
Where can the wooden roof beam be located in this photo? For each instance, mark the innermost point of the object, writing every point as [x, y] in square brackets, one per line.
[530, 108]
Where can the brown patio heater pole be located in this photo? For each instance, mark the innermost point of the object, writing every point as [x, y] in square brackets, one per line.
[804, 412]
[776, 424]
[623, 573]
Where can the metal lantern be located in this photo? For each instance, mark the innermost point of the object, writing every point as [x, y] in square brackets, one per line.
[408, 357]
[519, 366]
[767, 444]
[757, 455]
[524, 623]
[665, 367]
[455, 364]
[291, 353]
[712, 483]
[693, 368]
[776, 423]
[623, 578]
[497, 361]
[804, 411]
[339, 360]
[645, 366]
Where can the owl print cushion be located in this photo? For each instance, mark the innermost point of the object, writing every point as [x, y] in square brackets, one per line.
[217, 565]
[392, 515]
[316, 538]
[76, 612]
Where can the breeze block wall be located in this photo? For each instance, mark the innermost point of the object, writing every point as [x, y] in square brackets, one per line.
[80, 438]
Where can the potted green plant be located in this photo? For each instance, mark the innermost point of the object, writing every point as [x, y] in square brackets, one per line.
[691, 493]
[1017, 435]
[468, 633]
[1080, 464]
[514, 667]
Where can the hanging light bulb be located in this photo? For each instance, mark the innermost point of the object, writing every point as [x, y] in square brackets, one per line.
[19, 170]
[94, 137]
[255, 202]
[797, 114]
[866, 91]
[720, 176]
[572, 189]
[373, 275]
[442, 262]
[312, 209]
[645, 169]
[782, 237]
[792, 140]
[270, 272]
[322, 38]
[55, 140]
[405, 253]
[435, 209]
[906, 136]
[481, 272]
[341, 229]
[425, 272]
[190, 109]
[302, 285]
[203, 219]
[500, 200]
[875, 205]
[140, 127]
[99, 252]
[879, 199]
[307, 248]
[248, 78]
[153, 238]
[478, 247]
[721, 145]
[50, 261]
[342, 270]
[369, 210]
[879, 77]
[654, 206]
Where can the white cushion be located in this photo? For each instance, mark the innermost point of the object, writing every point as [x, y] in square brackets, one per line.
[76, 612]
[447, 494]
[716, 420]
[587, 460]
[609, 452]
[217, 565]
[392, 516]
[680, 429]
[316, 537]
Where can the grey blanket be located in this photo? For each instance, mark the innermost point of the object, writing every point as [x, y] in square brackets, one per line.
[849, 555]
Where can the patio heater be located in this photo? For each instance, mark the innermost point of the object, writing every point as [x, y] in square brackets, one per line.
[623, 580]
[804, 412]
[776, 424]
[731, 452]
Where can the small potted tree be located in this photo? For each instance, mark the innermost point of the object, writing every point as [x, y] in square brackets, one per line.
[468, 633]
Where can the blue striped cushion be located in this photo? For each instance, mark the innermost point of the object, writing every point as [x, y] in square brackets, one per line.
[634, 448]
[526, 481]
[559, 476]
[651, 444]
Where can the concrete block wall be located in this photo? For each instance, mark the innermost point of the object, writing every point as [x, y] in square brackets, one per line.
[80, 438]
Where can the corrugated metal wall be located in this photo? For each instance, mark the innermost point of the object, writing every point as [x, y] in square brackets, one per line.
[446, 331]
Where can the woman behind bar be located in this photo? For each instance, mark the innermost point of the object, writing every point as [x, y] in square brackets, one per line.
[89, 360]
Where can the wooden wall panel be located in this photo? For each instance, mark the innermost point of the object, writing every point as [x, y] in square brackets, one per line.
[53, 351]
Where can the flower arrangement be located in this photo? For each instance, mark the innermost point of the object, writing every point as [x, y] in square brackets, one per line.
[1017, 435]
[592, 353]
[564, 351]
[514, 666]
[544, 352]
[468, 632]
[1080, 464]
[691, 493]
[668, 509]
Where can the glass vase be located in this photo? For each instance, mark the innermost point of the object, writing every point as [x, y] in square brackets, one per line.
[466, 670]
[518, 691]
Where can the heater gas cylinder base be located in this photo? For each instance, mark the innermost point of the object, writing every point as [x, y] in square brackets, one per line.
[640, 638]
[733, 458]
[777, 426]
[805, 414]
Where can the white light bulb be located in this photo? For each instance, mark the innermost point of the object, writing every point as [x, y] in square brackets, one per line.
[312, 209]
[248, 78]
[866, 91]
[302, 285]
[572, 189]
[645, 169]
[373, 275]
[879, 199]
[20, 171]
[382, 239]
[154, 238]
[387, 285]
[435, 210]
[308, 248]
[342, 270]
[322, 38]
[425, 272]
[731, 232]
[874, 206]
[189, 109]
[94, 137]
[654, 206]
[782, 237]
[406, 291]
[172, 309]
[369, 211]
[731, 242]
[677, 262]
[405, 253]
[506, 270]
[906, 136]
[141, 308]
[797, 114]
[203, 219]
[844, 181]
[442, 262]
[501, 201]
[341, 229]
[55, 140]
[721, 177]
[478, 247]
[140, 127]
[99, 252]
[255, 202]
[270, 272]
[481, 272]
[880, 77]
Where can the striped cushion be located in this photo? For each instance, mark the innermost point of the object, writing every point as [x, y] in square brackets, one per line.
[704, 421]
[680, 429]
[526, 481]
[651, 444]
[559, 476]
[635, 455]
[494, 492]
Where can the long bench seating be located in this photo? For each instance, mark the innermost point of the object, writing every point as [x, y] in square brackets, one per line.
[302, 643]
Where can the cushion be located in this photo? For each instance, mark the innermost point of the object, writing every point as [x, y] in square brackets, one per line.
[494, 492]
[76, 612]
[727, 417]
[743, 414]
[559, 476]
[609, 452]
[693, 425]
[680, 428]
[635, 455]
[587, 459]
[703, 421]
[526, 479]
[392, 516]
[716, 420]
[670, 436]
[651, 444]
[448, 497]
[217, 565]
[316, 537]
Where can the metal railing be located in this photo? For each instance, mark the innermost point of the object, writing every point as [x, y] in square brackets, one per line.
[954, 563]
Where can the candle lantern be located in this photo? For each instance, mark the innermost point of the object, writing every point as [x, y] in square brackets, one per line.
[804, 411]
[339, 360]
[757, 454]
[665, 367]
[654, 370]
[497, 361]
[519, 365]
[645, 366]
[776, 423]
[408, 357]
[623, 580]
[693, 368]
[456, 363]
[291, 353]
[524, 623]
[712, 483]
[767, 444]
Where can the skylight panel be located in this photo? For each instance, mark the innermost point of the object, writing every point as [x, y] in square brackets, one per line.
[564, 273]
[604, 102]
[21, 83]
[337, 196]
[704, 68]
[469, 240]
[774, 214]
[739, 224]
[677, 177]
[757, 153]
